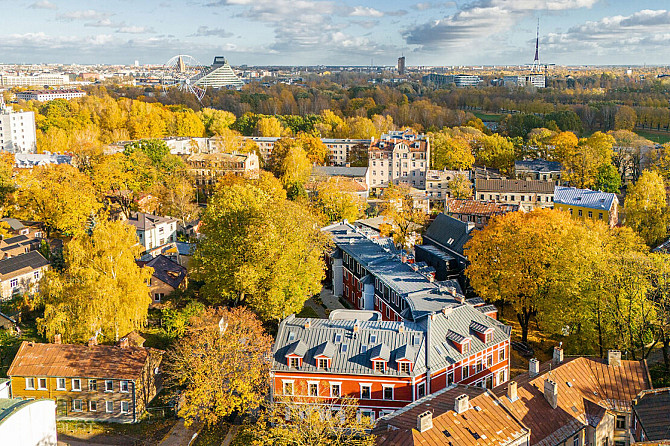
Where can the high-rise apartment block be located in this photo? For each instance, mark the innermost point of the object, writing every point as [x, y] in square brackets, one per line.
[17, 130]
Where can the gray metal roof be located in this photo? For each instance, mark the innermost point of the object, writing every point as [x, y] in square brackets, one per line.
[449, 232]
[530, 186]
[351, 353]
[339, 171]
[380, 351]
[571, 196]
[538, 165]
[32, 260]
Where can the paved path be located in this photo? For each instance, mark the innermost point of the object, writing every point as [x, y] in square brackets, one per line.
[230, 436]
[331, 301]
[180, 435]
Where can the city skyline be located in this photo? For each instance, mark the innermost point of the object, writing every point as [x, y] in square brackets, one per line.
[313, 32]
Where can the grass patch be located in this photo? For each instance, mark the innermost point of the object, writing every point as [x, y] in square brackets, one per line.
[657, 137]
[307, 312]
[244, 436]
[212, 436]
[495, 117]
[143, 433]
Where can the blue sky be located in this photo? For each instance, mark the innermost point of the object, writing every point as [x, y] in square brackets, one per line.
[309, 32]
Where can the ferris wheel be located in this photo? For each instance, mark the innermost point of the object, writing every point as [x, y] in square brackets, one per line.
[182, 71]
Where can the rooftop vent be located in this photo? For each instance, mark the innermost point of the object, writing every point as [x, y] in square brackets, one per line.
[533, 367]
[424, 421]
[614, 358]
[461, 403]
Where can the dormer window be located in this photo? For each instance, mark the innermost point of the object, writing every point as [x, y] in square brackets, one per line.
[379, 366]
[294, 362]
[484, 333]
[404, 367]
[461, 342]
[323, 363]
[488, 337]
[465, 347]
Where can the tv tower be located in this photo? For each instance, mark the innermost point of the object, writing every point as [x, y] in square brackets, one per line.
[536, 62]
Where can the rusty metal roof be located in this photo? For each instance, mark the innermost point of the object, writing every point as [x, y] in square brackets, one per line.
[70, 360]
[476, 207]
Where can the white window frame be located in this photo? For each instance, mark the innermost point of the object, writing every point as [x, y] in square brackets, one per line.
[91, 403]
[369, 386]
[74, 405]
[339, 389]
[107, 382]
[30, 383]
[388, 386]
[402, 364]
[77, 387]
[92, 384]
[127, 384]
[291, 359]
[58, 384]
[309, 388]
[107, 408]
[127, 407]
[283, 386]
[39, 384]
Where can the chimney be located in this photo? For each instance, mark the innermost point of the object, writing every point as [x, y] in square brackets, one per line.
[558, 354]
[58, 339]
[511, 391]
[424, 421]
[551, 392]
[614, 358]
[461, 403]
[308, 323]
[93, 340]
[447, 311]
[356, 327]
[460, 298]
[533, 367]
[124, 343]
[401, 327]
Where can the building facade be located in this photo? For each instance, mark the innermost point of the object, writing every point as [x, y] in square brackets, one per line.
[153, 230]
[459, 80]
[49, 95]
[28, 422]
[532, 79]
[538, 169]
[21, 274]
[585, 203]
[17, 130]
[207, 168]
[88, 382]
[650, 416]
[399, 157]
[38, 80]
[528, 195]
[437, 183]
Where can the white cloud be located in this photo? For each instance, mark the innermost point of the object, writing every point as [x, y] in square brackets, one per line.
[364, 11]
[89, 14]
[43, 4]
[206, 31]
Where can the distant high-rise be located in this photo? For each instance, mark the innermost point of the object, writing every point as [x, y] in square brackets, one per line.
[401, 65]
[17, 130]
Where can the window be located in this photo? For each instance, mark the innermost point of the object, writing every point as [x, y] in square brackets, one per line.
[323, 363]
[621, 421]
[590, 214]
[124, 386]
[489, 360]
[502, 354]
[92, 384]
[365, 391]
[294, 362]
[600, 215]
[30, 383]
[76, 384]
[368, 414]
[575, 441]
[579, 212]
[388, 392]
[109, 385]
[77, 405]
[42, 384]
[14, 283]
[479, 367]
[421, 390]
[465, 372]
[450, 378]
[60, 383]
[313, 389]
[501, 377]
[335, 390]
[373, 338]
[36, 275]
[125, 407]
[466, 347]
[158, 297]
[379, 366]
[288, 387]
[93, 406]
[109, 406]
[488, 337]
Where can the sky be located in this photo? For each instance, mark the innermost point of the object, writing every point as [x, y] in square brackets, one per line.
[330, 32]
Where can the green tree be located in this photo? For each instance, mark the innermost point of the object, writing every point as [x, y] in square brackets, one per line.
[608, 179]
[646, 208]
[260, 250]
[101, 290]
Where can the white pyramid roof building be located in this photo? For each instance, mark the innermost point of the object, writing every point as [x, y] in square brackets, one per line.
[219, 75]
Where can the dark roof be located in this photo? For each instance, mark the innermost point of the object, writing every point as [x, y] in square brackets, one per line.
[13, 223]
[339, 171]
[70, 360]
[167, 271]
[144, 221]
[652, 408]
[32, 260]
[449, 232]
[380, 351]
[538, 165]
[530, 186]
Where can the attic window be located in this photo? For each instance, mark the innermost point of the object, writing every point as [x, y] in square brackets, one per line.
[344, 348]
[416, 339]
[450, 241]
[439, 350]
[173, 274]
[338, 338]
[373, 339]
[364, 348]
[291, 336]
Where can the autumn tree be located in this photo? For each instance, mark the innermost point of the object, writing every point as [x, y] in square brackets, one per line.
[646, 208]
[336, 202]
[221, 368]
[460, 187]
[403, 219]
[215, 120]
[269, 126]
[513, 260]
[260, 250]
[450, 151]
[581, 166]
[292, 422]
[101, 290]
[59, 196]
[176, 198]
[625, 118]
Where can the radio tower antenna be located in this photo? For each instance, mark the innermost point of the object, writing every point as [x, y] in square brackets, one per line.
[536, 61]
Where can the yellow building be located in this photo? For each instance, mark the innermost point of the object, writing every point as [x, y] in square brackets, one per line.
[585, 203]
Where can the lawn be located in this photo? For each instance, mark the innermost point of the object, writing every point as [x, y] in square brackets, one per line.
[496, 117]
[307, 312]
[212, 436]
[657, 137]
[139, 434]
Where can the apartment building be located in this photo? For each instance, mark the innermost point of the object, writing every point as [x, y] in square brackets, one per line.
[49, 95]
[437, 183]
[339, 149]
[399, 157]
[585, 203]
[538, 169]
[37, 80]
[21, 274]
[153, 230]
[88, 382]
[17, 130]
[207, 168]
[528, 195]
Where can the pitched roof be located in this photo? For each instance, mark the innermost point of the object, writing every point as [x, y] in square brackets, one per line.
[571, 196]
[485, 422]
[582, 383]
[477, 207]
[22, 263]
[13, 223]
[72, 360]
[167, 271]
[652, 408]
[339, 171]
[145, 222]
[538, 165]
[449, 232]
[501, 185]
